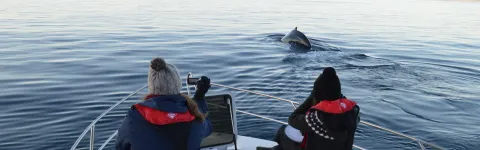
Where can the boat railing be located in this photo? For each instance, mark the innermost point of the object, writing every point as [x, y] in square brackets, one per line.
[418, 141]
[91, 126]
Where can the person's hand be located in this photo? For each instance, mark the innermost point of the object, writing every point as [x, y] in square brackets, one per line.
[202, 87]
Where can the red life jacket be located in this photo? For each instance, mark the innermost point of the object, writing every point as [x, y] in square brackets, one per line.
[338, 106]
[159, 117]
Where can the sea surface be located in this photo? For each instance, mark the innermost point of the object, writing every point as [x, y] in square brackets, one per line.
[412, 65]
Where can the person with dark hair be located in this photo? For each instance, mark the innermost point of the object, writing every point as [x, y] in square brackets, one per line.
[166, 119]
[326, 119]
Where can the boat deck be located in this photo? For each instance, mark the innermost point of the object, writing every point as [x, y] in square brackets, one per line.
[245, 143]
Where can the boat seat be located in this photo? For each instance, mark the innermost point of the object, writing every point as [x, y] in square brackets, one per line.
[220, 114]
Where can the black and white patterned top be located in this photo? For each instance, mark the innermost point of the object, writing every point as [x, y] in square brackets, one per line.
[317, 125]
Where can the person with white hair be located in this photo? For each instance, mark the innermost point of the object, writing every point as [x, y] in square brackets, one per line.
[166, 119]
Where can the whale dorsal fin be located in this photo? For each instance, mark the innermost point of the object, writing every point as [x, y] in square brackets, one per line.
[295, 28]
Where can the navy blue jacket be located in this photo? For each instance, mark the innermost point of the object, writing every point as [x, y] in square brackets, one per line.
[163, 123]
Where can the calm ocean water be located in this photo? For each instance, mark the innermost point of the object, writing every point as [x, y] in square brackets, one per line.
[412, 65]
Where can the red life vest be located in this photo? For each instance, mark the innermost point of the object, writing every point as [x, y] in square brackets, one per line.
[338, 106]
[159, 117]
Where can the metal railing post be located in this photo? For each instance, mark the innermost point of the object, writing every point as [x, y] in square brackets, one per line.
[186, 82]
[92, 137]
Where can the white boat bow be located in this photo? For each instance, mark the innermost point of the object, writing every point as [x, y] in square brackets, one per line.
[225, 136]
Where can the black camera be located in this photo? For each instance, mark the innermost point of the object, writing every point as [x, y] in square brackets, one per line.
[192, 81]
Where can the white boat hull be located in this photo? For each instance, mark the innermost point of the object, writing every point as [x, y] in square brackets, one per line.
[245, 143]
